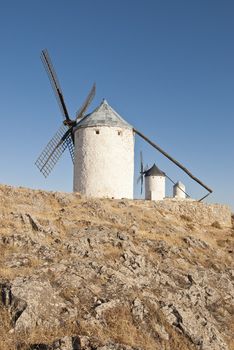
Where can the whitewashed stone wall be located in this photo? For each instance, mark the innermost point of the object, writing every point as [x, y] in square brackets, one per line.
[197, 212]
[154, 187]
[104, 162]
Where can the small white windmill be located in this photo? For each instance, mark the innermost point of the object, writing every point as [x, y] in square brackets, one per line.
[155, 184]
[154, 181]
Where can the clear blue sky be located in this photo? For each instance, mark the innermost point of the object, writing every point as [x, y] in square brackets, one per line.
[166, 66]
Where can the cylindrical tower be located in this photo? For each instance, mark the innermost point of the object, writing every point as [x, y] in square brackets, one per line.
[104, 155]
[179, 190]
[154, 184]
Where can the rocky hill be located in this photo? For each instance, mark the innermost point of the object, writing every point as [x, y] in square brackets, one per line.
[78, 273]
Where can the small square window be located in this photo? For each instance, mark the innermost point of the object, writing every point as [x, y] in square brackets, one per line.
[97, 132]
[119, 133]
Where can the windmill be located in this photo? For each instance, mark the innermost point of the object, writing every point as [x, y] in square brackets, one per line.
[64, 137]
[178, 164]
[101, 146]
[157, 180]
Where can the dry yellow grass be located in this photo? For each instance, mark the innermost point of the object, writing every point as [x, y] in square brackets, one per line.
[141, 222]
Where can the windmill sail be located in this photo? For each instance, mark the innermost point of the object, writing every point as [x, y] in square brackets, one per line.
[54, 82]
[64, 138]
[86, 103]
[54, 149]
[141, 171]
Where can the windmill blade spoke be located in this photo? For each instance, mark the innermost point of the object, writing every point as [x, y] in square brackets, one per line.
[50, 68]
[54, 149]
[138, 179]
[54, 82]
[141, 156]
[70, 145]
[89, 98]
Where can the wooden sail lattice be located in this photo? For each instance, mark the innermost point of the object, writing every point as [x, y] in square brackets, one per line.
[54, 149]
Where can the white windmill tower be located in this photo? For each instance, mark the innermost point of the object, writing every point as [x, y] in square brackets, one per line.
[101, 145]
[104, 154]
[179, 190]
[154, 183]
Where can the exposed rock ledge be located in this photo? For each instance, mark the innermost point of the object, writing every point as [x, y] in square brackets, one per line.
[106, 274]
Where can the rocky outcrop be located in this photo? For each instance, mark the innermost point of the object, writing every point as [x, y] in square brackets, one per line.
[111, 275]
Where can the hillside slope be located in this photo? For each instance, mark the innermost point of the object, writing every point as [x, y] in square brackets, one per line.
[78, 273]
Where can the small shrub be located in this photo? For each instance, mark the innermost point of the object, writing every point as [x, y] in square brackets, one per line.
[185, 217]
[190, 226]
[216, 224]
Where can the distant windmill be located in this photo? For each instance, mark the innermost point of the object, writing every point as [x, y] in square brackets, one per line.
[155, 182]
[103, 155]
[64, 137]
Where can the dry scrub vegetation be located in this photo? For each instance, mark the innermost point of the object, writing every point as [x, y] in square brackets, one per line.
[114, 272]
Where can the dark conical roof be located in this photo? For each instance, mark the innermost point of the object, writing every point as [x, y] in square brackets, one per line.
[103, 115]
[154, 171]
